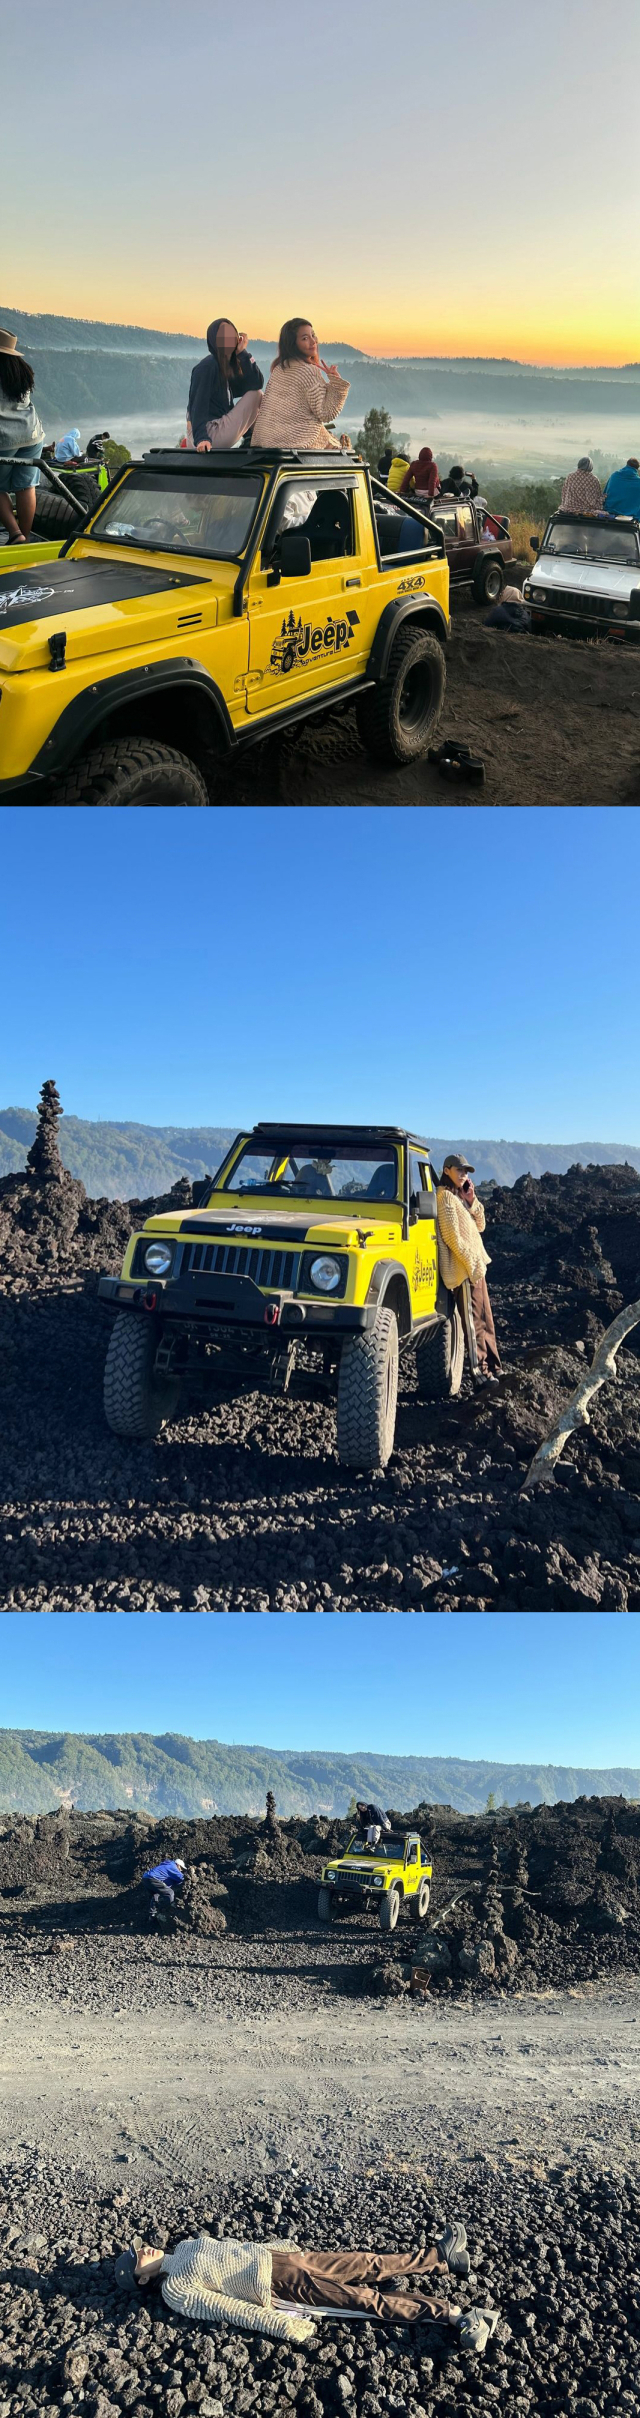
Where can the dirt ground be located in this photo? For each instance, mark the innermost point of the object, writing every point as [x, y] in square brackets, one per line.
[556, 720]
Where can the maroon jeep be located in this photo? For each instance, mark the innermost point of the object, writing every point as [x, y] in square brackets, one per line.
[473, 558]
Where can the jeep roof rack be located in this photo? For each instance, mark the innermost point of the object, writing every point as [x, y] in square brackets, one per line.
[338, 1133]
[243, 458]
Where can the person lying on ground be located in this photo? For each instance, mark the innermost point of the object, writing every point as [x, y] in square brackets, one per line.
[21, 440]
[463, 1262]
[225, 391]
[582, 491]
[422, 476]
[302, 394]
[622, 491]
[263, 2287]
[162, 1882]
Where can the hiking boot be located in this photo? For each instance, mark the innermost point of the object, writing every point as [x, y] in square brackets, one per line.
[452, 2249]
[477, 2328]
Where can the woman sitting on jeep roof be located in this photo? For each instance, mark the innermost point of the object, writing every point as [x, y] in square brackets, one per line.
[224, 394]
[301, 395]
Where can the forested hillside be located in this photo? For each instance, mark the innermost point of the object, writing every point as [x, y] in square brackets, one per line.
[193, 1776]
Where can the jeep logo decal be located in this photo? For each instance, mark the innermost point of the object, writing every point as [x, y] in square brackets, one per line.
[302, 642]
[19, 596]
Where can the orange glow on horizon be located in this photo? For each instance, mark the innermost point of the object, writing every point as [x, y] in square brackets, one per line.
[492, 336]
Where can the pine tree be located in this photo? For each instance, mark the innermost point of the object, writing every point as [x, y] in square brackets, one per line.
[44, 1159]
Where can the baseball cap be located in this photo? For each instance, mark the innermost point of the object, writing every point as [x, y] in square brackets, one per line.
[453, 1159]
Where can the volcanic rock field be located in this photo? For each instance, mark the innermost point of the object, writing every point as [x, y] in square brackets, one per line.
[243, 1506]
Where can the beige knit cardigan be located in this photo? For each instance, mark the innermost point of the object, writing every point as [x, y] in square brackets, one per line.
[296, 402]
[220, 2281]
[460, 1252]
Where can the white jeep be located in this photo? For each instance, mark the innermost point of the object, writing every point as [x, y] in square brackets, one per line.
[586, 581]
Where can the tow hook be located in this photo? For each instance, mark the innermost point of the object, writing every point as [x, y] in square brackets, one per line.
[272, 1314]
[150, 1301]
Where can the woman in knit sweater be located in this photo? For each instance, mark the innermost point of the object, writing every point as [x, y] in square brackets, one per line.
[301, 395]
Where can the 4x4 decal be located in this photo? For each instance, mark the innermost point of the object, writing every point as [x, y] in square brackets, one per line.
[299, 641]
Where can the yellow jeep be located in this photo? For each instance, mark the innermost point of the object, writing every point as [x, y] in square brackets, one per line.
[315, 1247]
[190, 617]
[391, 1873]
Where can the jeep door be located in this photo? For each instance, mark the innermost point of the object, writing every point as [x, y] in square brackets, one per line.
[423, 1239]
[412, 1872]
[306, 633]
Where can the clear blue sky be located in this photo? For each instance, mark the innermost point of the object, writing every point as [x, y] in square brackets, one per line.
[560, 1688]
[473, 970]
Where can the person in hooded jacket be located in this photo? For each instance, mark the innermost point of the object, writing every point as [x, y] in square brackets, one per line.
[225, 389]
[422, 476]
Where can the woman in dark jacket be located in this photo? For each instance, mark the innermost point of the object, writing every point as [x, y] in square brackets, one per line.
[224, 395]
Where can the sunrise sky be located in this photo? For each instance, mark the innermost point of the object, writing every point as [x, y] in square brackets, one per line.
[455, 176]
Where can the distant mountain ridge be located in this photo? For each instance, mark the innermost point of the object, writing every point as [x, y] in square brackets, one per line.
[97, 370]
[190, 1776]
[129, 1161]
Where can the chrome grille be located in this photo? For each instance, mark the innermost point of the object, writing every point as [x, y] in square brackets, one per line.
[276, 1269]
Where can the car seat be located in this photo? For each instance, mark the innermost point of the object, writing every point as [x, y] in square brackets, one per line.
[329, 527]
[382, 1186]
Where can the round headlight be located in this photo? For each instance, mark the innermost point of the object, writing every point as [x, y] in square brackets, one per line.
[158, 1258]
[325, 1274]
[331, 1876]
[539, 595]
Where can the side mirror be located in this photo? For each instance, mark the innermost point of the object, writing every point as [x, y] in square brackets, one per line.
[421, 1204]
[534, 543]
[295, 555]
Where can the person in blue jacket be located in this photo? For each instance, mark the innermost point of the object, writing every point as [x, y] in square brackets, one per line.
[622, 491]
[224, 395]
[162, 1882]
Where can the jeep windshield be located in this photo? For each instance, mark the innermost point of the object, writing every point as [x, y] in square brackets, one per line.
[391, 1849]
[592, 542]
[173, 514]
[299, 1172]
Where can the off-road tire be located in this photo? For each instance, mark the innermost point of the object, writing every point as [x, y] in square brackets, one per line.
[135, 1402]
[440, 1359]
[397, 719]
[419, 1905]
[368, 1394]
[132, 772]
[54, 517]
[324, 1905]
[489, 580]
[389, 1910]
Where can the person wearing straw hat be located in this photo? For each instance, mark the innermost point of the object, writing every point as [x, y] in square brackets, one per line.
[21, 440]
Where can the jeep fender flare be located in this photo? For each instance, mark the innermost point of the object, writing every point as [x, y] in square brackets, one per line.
[86, 713]
[425, 610]
[388, 1273]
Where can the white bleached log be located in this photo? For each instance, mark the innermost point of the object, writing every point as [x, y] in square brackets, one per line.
[575, 1413]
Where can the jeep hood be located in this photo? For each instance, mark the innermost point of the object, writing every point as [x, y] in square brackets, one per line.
[614, 580]
[285, 1226]
[100, 605]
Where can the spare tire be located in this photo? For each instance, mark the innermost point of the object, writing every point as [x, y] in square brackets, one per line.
[55, 515]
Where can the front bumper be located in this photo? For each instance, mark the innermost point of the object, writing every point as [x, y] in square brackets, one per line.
[593, 617]
[205, 1301]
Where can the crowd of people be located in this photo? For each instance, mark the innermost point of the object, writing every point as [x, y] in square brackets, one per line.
[229, 404]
